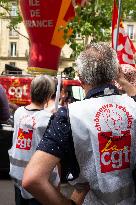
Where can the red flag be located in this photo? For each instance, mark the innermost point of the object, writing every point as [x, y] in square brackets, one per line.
[125, 47]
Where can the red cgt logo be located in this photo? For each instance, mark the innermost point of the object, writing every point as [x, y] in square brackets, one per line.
[24, 139]
[114, 151]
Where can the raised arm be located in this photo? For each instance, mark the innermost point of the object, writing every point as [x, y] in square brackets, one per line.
[125, 84]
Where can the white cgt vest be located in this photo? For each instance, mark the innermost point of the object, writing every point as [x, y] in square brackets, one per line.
[29, 127]
[104, 134]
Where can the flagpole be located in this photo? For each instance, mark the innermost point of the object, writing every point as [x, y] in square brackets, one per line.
[118, 22]
[58, 92]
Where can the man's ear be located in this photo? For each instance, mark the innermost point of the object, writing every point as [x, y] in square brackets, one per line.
[86, 87]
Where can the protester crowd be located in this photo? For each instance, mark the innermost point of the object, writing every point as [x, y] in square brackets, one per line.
[90, 144]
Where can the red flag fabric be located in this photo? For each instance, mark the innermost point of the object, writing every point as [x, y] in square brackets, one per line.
[125, 47]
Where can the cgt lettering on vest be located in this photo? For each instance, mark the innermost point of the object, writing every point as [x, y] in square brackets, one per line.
[24, 139]
[39, 23]
[114, 153]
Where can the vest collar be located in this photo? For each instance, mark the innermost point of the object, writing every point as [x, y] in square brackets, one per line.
[104, 90]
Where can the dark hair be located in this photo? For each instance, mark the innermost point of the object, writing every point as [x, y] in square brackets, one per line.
[42, 88]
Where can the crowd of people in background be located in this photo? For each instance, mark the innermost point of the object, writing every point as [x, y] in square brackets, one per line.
[88, 143]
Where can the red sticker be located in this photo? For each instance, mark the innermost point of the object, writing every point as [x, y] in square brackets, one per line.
[24, 139]
[114, 151]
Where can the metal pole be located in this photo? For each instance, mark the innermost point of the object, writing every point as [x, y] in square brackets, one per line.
[118, 22]
[58, 92]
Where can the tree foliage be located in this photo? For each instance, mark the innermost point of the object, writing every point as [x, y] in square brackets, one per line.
[6, 5]
[93, 22]
[6, 12]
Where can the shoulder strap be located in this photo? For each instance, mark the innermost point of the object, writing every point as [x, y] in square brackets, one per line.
[134, 97]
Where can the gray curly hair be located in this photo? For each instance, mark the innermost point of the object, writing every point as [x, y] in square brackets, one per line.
[97, 64]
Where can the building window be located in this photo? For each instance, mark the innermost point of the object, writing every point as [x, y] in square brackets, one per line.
[13, 33]
[14, 10]
[13, 49]
[130, 31]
